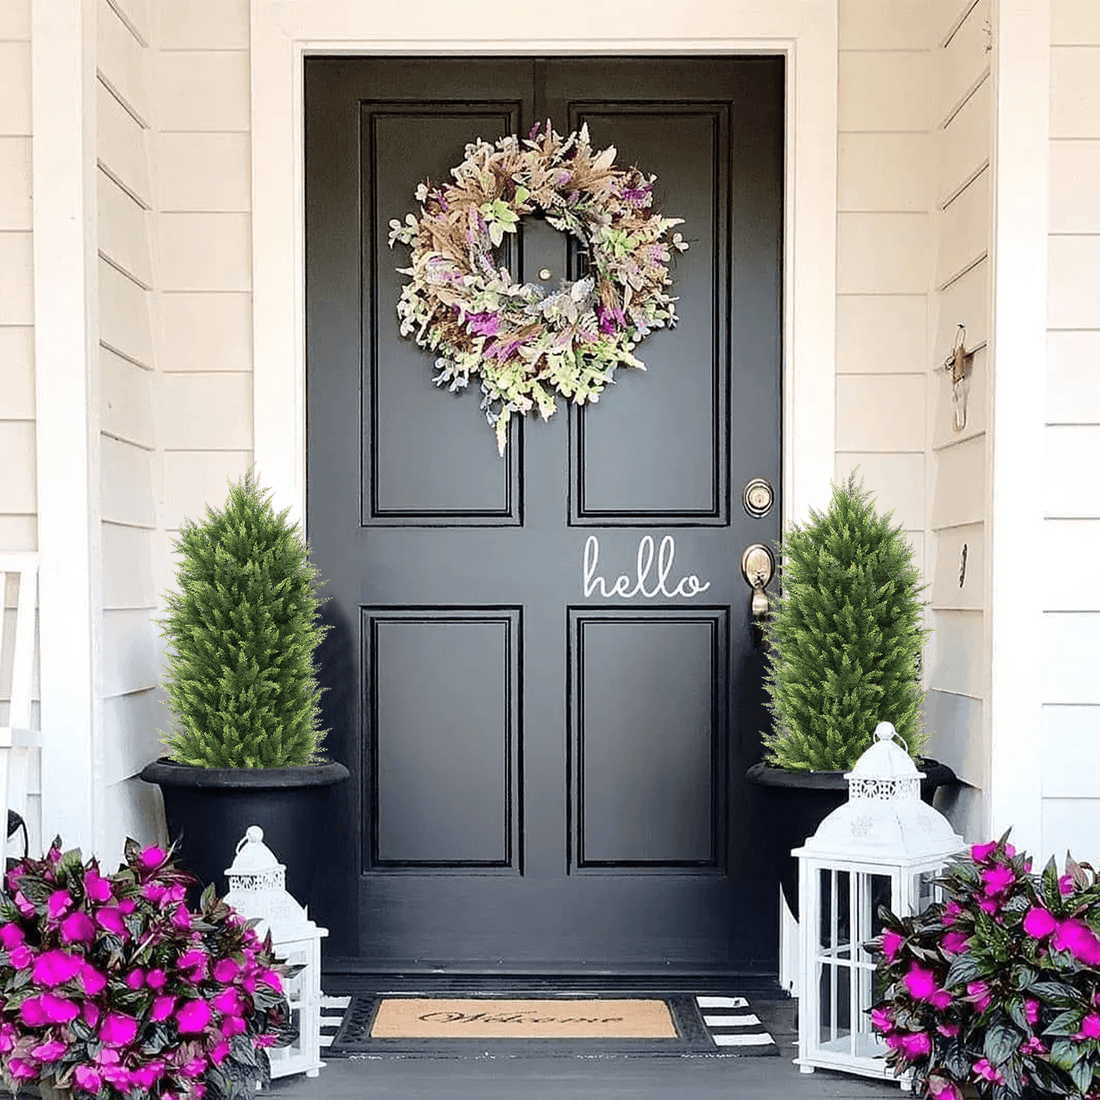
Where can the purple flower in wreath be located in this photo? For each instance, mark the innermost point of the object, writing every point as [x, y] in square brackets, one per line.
[611, 320]
[483, 324]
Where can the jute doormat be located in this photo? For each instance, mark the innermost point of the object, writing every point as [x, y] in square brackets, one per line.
[575, 1022]
[507, 1018]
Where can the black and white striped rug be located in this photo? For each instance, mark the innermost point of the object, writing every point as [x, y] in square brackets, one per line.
[719, 1025]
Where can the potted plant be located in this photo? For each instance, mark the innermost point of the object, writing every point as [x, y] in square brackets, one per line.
[994, 990]
[843, 653]
[110, 986]
[241, 685]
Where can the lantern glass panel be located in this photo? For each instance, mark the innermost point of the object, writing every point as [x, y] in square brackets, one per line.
[925, 890]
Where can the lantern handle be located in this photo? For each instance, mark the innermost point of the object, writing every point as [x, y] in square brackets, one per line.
[885, 731]
[255, 834]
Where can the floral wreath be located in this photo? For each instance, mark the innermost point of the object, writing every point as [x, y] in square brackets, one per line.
[526, 344]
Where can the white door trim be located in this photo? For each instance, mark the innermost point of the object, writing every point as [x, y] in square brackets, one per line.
[285, 31]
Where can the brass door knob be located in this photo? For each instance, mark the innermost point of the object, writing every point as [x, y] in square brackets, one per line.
[758, 568]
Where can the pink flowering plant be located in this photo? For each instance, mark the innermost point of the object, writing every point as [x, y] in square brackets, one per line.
[111, 987]
[996, 986]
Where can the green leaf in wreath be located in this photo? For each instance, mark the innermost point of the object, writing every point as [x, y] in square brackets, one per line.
[1081, 1075]
[1064, 1053]
[1066, 1023]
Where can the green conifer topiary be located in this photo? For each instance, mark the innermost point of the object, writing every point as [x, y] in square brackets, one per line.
[243, 629]
[845, 637]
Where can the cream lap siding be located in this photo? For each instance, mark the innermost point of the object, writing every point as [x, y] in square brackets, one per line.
[18, 497]
[956, 708]
[203, 308]
[884, 198]
[1071, 641]
[127, 381]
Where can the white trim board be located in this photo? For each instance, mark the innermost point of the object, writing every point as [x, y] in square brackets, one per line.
[66, 326]
[284, 32]
[1019, 343]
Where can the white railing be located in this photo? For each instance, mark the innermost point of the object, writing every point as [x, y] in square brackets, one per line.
[18, 571]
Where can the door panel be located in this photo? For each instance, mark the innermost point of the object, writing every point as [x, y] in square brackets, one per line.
[541, 670]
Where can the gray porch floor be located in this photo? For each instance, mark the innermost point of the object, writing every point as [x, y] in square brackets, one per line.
[591, 1078]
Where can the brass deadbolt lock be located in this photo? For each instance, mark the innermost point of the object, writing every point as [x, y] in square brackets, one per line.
[758, 497]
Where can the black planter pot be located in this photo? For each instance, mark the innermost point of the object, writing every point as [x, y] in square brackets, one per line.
[793, 805]
[209, 809]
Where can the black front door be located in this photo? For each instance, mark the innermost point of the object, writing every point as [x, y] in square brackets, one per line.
[547, 761]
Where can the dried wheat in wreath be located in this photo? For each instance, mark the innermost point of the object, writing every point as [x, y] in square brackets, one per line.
[528, 345]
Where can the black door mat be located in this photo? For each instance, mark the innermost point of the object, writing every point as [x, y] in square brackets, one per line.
[720, 1025]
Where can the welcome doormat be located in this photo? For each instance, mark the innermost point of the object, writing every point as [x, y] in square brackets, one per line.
[572, 1023]
[506, 1018]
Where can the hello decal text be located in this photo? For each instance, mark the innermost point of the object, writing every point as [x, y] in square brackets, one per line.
[640, 584]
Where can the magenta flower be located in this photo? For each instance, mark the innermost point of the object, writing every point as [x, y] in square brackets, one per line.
[939, 1088]
[117, 1030]
[982, 1068]
[955, 942]
[978, 994]
[126, 906]
[951, 912]
[77, 928]
[1080, 940]
[47, 1009]
[49, 1051]
[192, 1017]
[264, 1040]
[22, 1070]
[53, 968]
[151, 858]
[109, 918]
[915, 1044]
[11, 935]
[219, 1051]
[57, 903]
[882, 1020]
[1090, 1027]
[225, 970]
[89, 1013]
[229, 1002]
[162, 1008]
[153, 891]
[181, 918]
[988, 905]
[891, 942]
[192, 964]
[1038, 922]
[98, 889]
[1065, 885]
[1033, 1045]
[87, 1078]
[21, 957]
[155, 978]
[91, 979]
[148, 1075]
[134, 979]
[948, 1031]
[7, 1036]
[232, 1025]
[194, 1067]
[921, 983]
[1031, 1011]
[21, 903]
[997, 880]
[979, 853]
[272, 980]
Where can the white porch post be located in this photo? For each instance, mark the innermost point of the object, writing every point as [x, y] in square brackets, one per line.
[65, 326]
[1021, 131]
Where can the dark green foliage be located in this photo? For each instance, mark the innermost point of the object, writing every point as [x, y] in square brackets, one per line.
[844, 638]
[242, 630]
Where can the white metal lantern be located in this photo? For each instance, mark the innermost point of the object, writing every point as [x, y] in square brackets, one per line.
[257, 888]
[882, 847]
